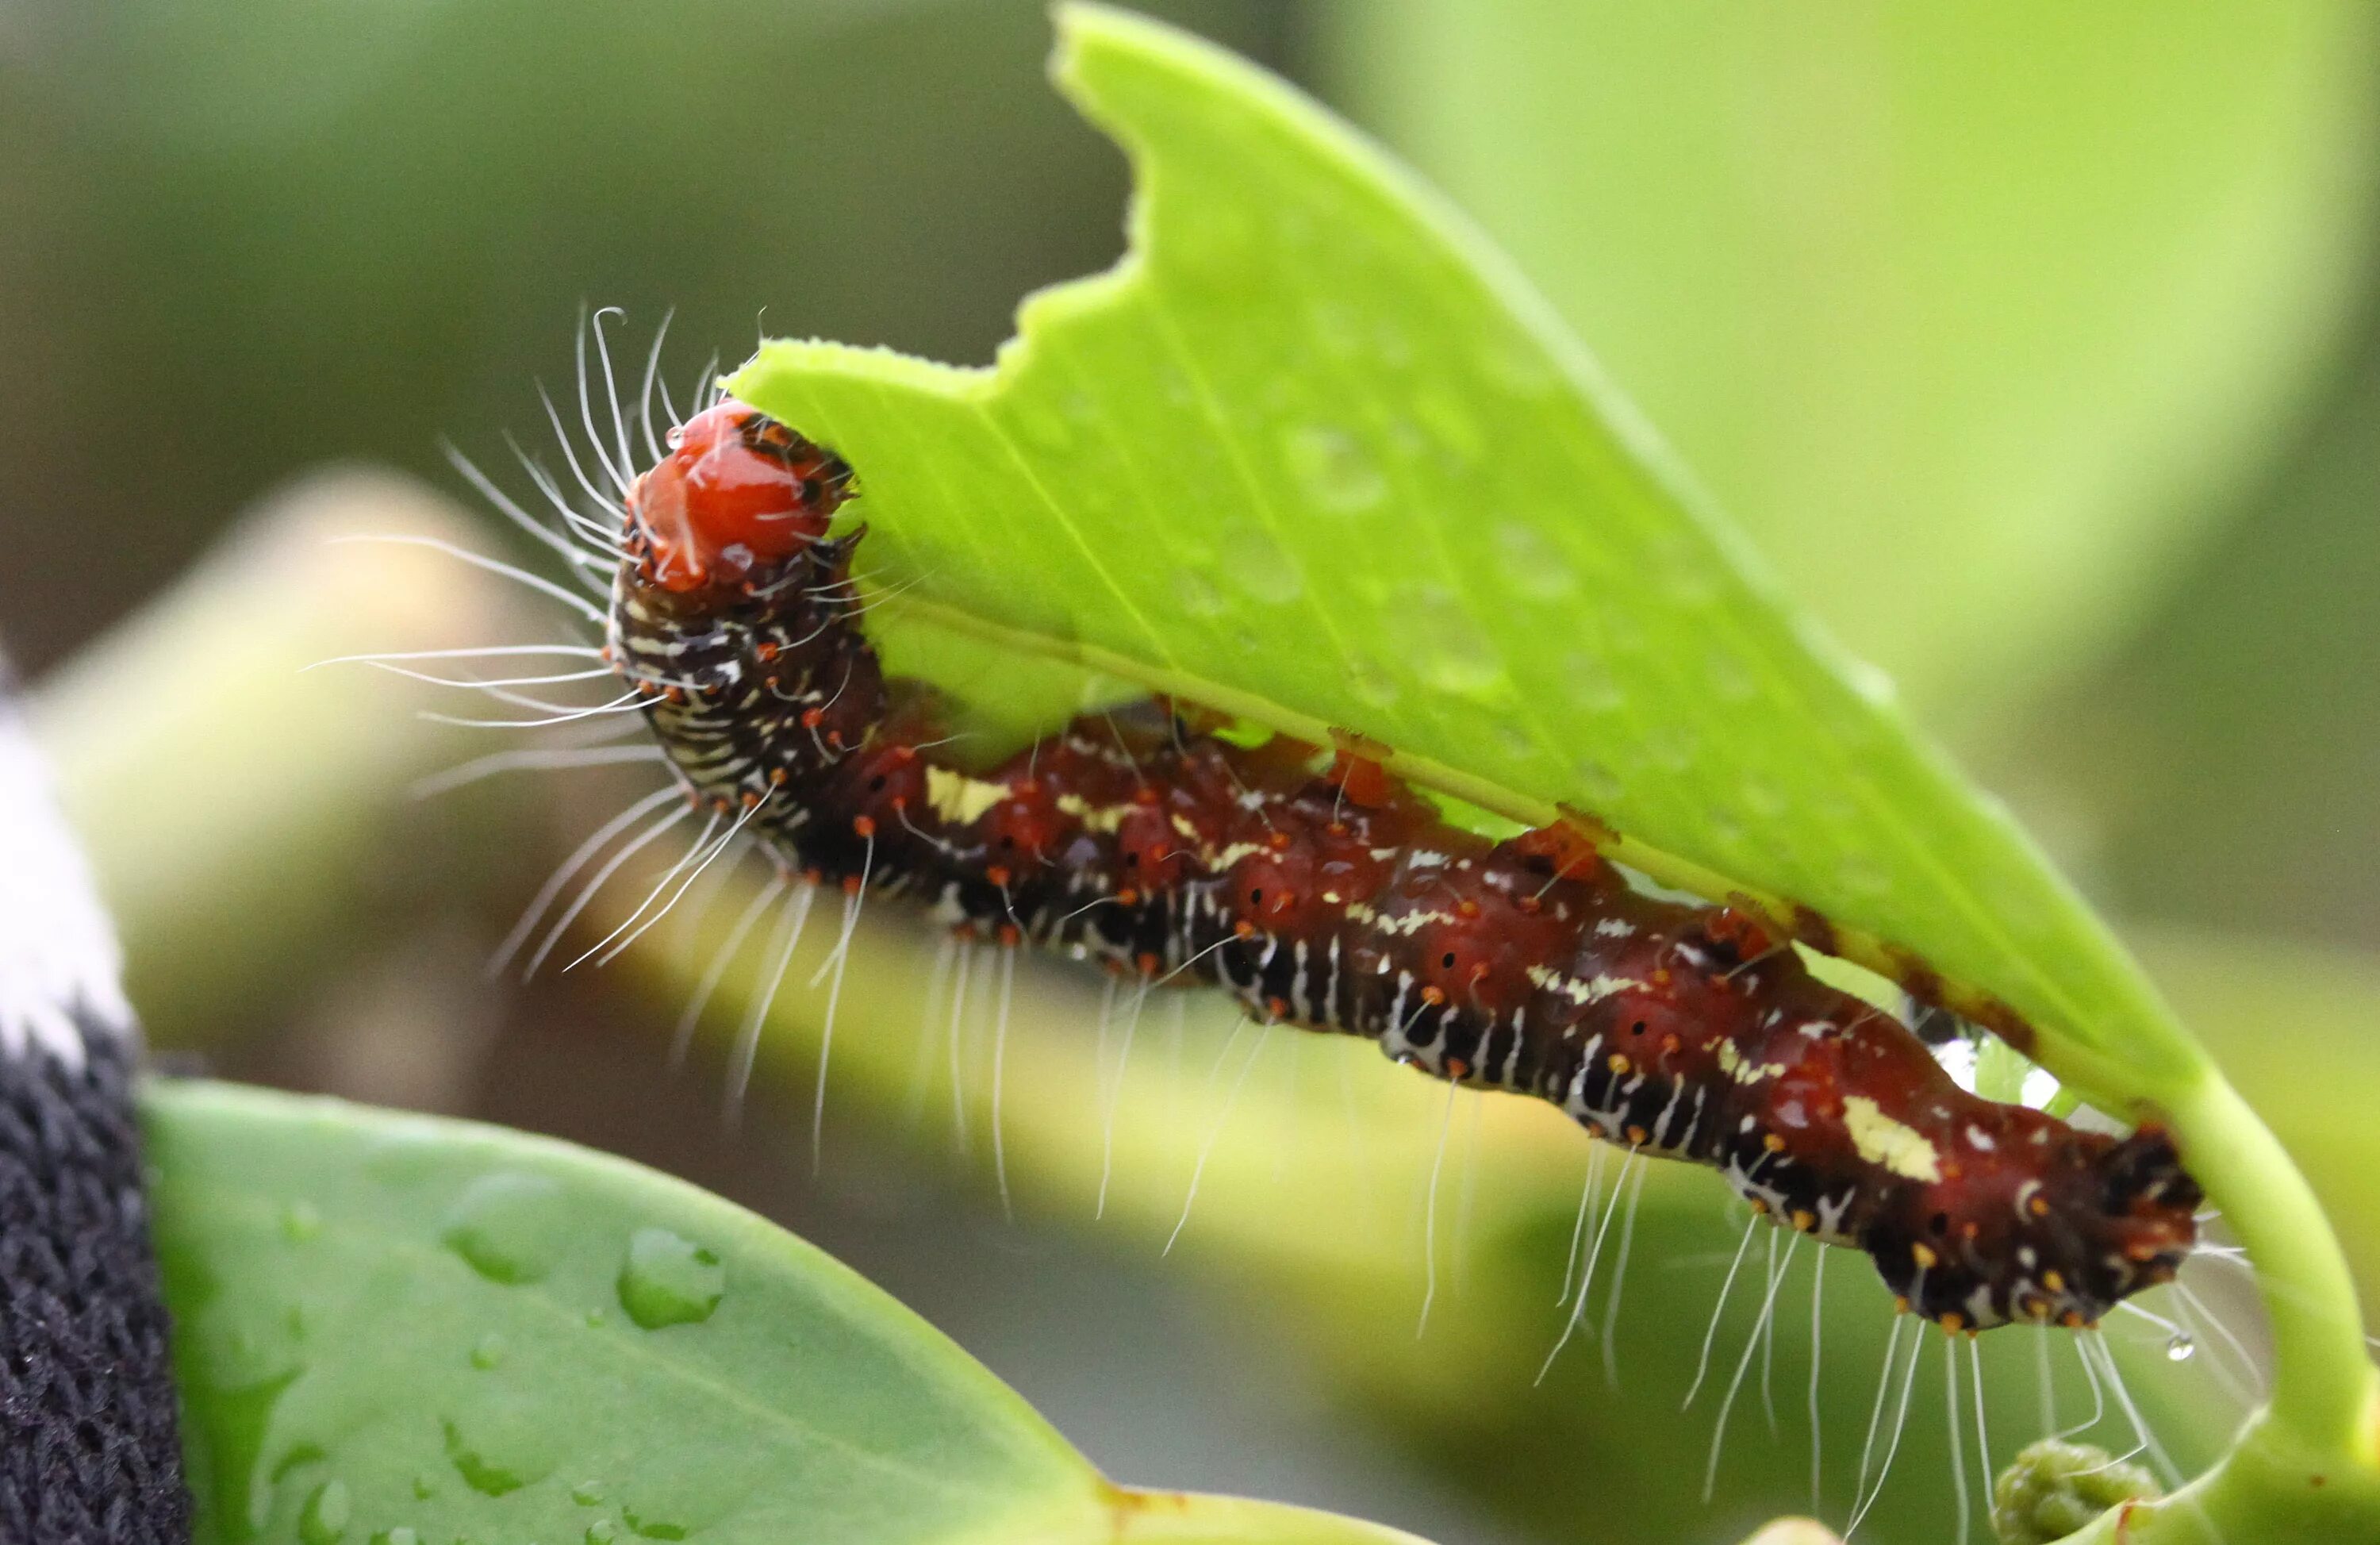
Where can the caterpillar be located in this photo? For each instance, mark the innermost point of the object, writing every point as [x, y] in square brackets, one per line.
[1326, 895]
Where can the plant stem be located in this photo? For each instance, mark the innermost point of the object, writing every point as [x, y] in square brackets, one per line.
[2307, 1466]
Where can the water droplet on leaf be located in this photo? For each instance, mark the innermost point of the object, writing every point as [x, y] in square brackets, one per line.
[1333, 469]
[495, 1463]
[1258, 565]
[669, 1281]
[1531, 563]
[509, 1227]
[1595, 781]
[1197, 594]
[1452, 648]
[323, 1519]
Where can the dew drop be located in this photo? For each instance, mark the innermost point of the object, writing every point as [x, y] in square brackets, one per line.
[602, 1531]
[1196, 594]
[508, 1226]
[487, 1467]
[2180, 1347]
[1259, 565]
[1762, 798]
[1670, 746]
[323, 1519]
[1373, 681]
[1531, 563]
[1598, 781]
[669, 1281]
[1593, 687]
[1864, 876]
[652, 1528]
[488, 1352]
[586, 1494]
[398, 1536]
[1453, 650]
[674, 438]
[1333, 469]
[300, 1220]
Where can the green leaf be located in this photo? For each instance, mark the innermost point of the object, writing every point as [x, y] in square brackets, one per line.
[387, 1322]
[1313, 454]
[1972, 313]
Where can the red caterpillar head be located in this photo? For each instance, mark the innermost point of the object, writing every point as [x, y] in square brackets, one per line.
[739, 493]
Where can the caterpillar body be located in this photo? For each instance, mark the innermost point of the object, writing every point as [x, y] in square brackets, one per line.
[1328, 896]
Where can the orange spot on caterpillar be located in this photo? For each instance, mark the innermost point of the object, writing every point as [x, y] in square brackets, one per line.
[1357, 769]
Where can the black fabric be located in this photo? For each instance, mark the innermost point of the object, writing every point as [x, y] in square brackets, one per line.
[89, 1450]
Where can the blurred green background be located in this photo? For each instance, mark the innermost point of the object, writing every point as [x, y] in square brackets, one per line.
[2038, 349]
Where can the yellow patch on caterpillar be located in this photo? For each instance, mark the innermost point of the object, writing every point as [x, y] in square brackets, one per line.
[958, 798]
[1882, 1141]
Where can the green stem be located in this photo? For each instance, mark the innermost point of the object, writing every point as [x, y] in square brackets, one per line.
[2325, 1387]
[2307, 1466]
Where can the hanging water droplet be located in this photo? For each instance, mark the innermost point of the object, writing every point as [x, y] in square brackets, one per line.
[1333, 469]
[674, 438]
[323, 1519]
[2180, 1346]
[1597, 783]
[667, 1280]
[1593, 687]
[503, 1458]
[1259, 566]
[1197, 594]
[1451, 647]
[509, 1227]
[1531, 563]
[1373, 681]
